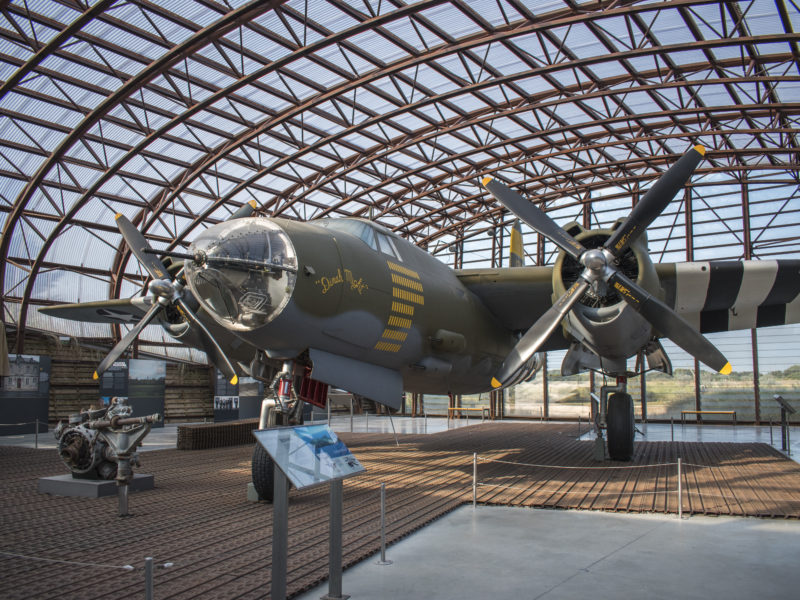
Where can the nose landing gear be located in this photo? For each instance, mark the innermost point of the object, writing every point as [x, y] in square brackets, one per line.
[282, 410]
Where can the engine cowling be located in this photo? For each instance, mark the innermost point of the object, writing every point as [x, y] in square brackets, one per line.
[601, 320]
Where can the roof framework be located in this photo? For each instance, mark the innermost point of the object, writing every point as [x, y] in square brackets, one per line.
[388, 110]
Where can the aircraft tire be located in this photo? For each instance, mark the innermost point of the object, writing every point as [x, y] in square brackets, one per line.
[263, 472]
[620, 426]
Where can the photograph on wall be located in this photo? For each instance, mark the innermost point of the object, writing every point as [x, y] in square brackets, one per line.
[25, 394]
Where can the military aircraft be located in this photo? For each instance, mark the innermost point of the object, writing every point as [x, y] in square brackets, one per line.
[350, 304]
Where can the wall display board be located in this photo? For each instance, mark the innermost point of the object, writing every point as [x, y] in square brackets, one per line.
[309, 455]
[251, 392]
[25, 394]
[114, 382]
[226, 399]
[146, 382]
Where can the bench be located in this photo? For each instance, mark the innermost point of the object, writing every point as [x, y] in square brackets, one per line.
[707, 412]
[484, 411]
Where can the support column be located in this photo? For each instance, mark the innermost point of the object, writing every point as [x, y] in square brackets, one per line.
[643, 385]
[545, 395]
[756, 378]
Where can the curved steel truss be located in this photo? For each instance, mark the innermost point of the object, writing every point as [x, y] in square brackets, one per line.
[388, 110]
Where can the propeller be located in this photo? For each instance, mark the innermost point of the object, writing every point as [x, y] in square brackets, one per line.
[166, 292]
[600, 265]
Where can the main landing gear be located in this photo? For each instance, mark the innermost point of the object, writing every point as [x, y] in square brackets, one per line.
[615, 414]
[282, 410]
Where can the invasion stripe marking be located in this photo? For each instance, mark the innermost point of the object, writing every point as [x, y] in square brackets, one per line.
[393, 334]
[408, 296]
[403, 309]
[403, 270]
[406, 282]
[400, 322]
[757, 281]
[724, 283]
[691, 288]
[387, 347]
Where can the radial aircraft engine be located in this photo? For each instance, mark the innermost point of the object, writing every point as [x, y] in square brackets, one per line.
[350, 304]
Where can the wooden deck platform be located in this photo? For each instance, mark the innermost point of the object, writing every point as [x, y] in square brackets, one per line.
[198, 517]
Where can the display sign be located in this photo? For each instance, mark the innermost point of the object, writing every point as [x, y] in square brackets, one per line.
[784, 404]
[308, 455]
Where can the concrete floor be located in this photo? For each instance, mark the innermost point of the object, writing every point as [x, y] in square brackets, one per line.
[519, 553]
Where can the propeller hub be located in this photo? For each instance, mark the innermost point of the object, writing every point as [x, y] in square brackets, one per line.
[162, 288]
[594, 260]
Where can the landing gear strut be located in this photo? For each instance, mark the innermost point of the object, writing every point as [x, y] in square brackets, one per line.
[284, 409]
[616, 413]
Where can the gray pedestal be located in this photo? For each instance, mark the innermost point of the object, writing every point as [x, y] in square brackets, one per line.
[66, 485]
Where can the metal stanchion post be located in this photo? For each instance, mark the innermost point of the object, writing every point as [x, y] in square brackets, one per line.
[680, 492]
[474, 479]
[328, 404]
[280, 535]
[351, 414]
[148, 578]
[366, 421]
[335, 544]
[579, 426]
[771, 440]
[383, 560]
[426, 422]
[36, 435]
[672, 429]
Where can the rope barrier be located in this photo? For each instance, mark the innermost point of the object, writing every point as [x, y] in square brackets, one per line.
[69, 562]
[585, 493]
[508, 462]
[28, 423]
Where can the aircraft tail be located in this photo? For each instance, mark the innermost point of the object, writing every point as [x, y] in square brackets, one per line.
[517, 253]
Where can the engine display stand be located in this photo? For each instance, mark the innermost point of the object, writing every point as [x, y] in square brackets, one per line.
[67, 485]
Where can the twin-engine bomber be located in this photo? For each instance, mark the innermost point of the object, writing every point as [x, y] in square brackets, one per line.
[347, 303]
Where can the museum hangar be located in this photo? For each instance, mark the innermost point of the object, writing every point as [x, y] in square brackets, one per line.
[556, 216]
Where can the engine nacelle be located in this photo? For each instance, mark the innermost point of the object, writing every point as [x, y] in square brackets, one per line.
[601, 320]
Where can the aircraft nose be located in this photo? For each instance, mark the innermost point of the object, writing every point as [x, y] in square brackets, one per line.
[244, 272]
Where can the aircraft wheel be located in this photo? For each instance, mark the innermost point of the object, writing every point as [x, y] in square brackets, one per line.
[620, 426]
[263, 472]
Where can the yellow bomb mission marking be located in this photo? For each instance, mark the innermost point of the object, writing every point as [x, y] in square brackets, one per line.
[329, 283]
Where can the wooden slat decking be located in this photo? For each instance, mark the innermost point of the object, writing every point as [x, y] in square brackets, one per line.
[199, 519]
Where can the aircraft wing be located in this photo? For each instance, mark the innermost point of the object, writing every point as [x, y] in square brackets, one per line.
[712, 295]
[516, 296]
[126, 310]
[729, 295]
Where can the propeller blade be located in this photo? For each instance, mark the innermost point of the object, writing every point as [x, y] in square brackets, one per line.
[538, 333]
[655, 200]
[534, 217]
[670, 323]
[126, 341]
[138, 244]
[245, 210]
[210, 345]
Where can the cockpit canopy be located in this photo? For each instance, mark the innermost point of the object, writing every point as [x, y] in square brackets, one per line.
[245, 272]
[372, 234]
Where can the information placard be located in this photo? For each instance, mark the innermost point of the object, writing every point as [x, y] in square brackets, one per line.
[309, 455]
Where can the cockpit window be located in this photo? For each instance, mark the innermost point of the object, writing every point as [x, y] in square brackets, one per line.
[371, 234]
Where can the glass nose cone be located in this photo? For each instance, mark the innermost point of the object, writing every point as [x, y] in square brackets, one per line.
[244, 272]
